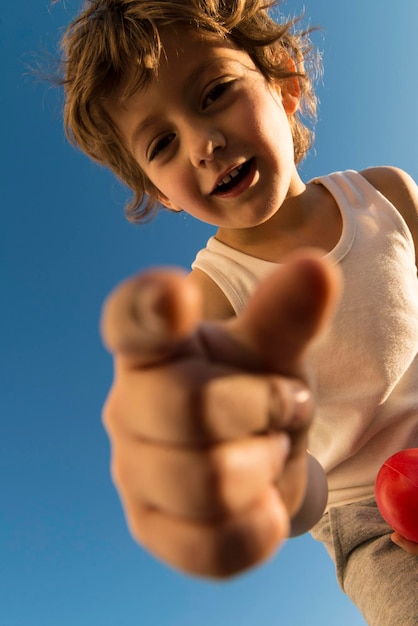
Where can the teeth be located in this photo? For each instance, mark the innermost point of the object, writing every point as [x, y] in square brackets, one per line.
[231, 175]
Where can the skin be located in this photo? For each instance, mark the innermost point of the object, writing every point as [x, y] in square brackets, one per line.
[208, 111]
[208, 454]
[211, 470]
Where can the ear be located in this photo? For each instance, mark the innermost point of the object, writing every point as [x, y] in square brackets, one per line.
[289, 89]
[168, 204]
[290, 94]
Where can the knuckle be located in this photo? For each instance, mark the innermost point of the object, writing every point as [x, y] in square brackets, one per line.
[115, 472]
[217, 408]
[110, 411]
[119, 471]
[216, 479]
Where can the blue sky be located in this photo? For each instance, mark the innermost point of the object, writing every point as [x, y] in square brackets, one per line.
[66, 556]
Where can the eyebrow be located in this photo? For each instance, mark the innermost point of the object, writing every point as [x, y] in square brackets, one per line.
[200, 69]
[152, 119]
[149, 121]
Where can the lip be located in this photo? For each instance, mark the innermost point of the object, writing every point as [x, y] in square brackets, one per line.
[241, 186]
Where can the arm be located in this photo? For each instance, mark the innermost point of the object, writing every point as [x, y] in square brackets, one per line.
[205, 419]
[215, 305]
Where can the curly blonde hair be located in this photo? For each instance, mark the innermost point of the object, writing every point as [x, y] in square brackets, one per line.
[97, 60]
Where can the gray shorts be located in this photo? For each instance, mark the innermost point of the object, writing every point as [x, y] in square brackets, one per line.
[378, 576]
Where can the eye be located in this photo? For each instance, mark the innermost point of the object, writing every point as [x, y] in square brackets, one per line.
[216, 92]
[160, 145]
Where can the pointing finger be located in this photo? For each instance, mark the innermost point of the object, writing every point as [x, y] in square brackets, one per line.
[287, 312]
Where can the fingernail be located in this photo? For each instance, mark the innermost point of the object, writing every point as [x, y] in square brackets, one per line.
[302, 404]
[147, 308]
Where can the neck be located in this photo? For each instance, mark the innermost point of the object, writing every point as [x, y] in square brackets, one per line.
[278, 235]
[308, 218]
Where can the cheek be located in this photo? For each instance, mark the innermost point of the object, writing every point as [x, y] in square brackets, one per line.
[265, 120]
[163, 179]
[176, 186]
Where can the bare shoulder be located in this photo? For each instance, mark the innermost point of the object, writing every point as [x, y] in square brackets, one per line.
[396, 184]
[400, 189]
[215, 304]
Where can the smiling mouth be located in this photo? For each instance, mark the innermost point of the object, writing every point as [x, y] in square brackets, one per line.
[234, 178]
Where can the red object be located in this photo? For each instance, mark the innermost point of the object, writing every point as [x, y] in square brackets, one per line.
[396, 491]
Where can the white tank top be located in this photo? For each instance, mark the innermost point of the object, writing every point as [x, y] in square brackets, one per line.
[366, 365]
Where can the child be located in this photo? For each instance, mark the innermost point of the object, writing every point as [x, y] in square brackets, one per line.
[197, 104]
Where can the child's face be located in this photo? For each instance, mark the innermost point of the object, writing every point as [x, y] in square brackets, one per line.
[211, 134]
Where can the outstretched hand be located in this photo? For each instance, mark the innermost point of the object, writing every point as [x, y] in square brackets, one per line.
[208, 421]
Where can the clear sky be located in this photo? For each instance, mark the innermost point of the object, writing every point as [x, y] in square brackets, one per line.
[66, 556]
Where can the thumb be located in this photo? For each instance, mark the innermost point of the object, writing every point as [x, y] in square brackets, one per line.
[288, 310]
[146, 317]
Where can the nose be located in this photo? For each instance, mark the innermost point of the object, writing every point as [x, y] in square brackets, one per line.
[205, 143]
